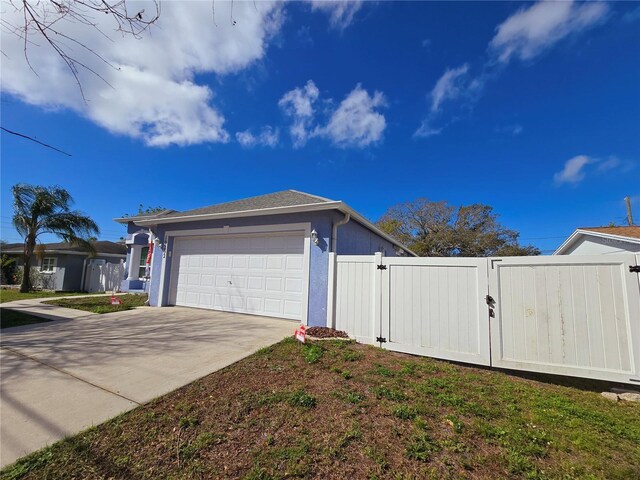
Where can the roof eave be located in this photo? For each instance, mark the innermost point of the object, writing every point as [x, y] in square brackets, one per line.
[567, 243]
[310, 207]
[581, 233]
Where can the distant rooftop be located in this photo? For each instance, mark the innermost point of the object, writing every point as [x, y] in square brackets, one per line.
[631, 232]
[101, 246]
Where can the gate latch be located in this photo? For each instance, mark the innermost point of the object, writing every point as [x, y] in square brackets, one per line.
[634, 268]
[490, 301]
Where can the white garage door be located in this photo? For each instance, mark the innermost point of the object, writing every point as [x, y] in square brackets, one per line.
[258, 274]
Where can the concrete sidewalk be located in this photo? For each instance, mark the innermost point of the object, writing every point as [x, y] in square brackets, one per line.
[61, 377]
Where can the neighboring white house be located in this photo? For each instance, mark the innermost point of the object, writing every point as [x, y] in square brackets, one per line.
[601, 241]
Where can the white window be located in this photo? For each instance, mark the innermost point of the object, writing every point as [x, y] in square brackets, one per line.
[142, 267]
[48, 264]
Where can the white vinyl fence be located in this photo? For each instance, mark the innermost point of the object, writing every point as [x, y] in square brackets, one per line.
[103, 277]
[577, 316]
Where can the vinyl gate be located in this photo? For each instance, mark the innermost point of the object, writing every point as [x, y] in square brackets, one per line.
[103, 277]
[566, 315]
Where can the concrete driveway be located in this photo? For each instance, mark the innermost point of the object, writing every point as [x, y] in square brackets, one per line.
[61, 377]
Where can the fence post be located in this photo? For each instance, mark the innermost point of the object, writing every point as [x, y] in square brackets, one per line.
[331, 291]
[377, 296]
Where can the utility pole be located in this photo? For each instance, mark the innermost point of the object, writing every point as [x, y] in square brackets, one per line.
[627, 200]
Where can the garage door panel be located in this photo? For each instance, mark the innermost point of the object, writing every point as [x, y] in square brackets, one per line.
[255, 283]
[252, 274]
[292, 307]
[273, 284]
[255, 304]
[257, 262]
[293, 263]
[293, 285]
[272, 305]
[238, 281]
[191, 298]
[224, 261]
[275, 263]
[237, 302]
[240, 261]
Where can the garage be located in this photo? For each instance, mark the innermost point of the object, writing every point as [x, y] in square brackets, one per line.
[268, 255]
[261, 274]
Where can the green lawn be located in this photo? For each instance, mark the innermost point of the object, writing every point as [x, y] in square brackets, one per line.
[334, 410]
[101, 304]
[10, 294]
[12, 318]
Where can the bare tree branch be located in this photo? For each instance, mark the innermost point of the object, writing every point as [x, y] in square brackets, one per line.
[44, 19]
[11, 132]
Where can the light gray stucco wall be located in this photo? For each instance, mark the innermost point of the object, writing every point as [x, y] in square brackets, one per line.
[355, 239]
[592, 245]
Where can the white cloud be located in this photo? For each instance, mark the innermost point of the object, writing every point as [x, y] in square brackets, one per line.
[298, 104]
[426, 130]
[515, 129]
[267, 137]
[152, 94]
[530, 31]
[526, 34]
[448, 86]
[341, 12]
[573, 171]
[608, 164]
[354, 123]
[577, 168]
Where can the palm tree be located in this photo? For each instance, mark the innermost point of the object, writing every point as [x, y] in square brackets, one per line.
[39, 210]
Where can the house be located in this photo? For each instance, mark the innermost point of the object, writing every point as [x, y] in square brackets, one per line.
[64, 266]
[266, 255]
[601, 241]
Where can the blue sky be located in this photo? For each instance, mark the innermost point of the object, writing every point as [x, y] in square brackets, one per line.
[531, 108]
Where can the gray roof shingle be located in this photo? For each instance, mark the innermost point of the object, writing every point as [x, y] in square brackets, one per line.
[285, 198]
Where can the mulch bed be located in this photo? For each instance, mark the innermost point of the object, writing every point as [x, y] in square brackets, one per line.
[325, 332]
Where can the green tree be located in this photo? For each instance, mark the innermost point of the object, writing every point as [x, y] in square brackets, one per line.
[437, 229]
[8, 266]
[39, 210]
[142, 210]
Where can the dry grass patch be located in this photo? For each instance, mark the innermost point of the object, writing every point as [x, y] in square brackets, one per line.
[102, 303]
[290, 411]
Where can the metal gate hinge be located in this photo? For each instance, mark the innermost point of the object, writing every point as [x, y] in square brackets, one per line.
[634, 268]
[381, 340]
[382, 267]
[490, 301]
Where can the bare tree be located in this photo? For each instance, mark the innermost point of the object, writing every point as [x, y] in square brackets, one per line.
[42, 21]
